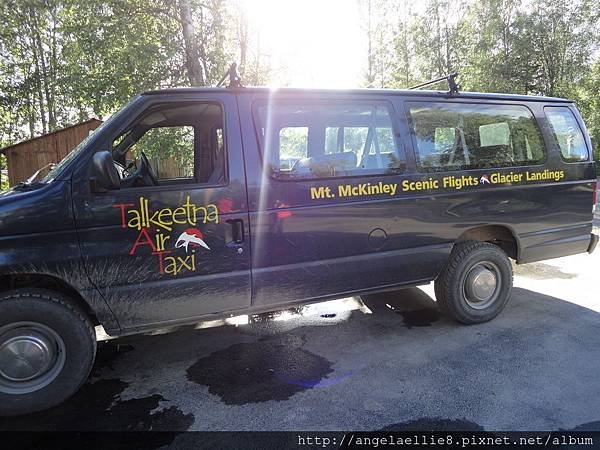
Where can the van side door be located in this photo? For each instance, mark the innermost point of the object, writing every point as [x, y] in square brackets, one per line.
[327, 215]
[175, 248]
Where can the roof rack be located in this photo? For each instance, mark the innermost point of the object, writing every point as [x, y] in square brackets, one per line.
[451, 79]
[235, 81]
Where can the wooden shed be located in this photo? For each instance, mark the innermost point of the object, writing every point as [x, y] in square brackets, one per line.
[25, 158]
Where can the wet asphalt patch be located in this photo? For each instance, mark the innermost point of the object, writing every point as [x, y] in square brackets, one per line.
[416, 310]
[270, 369]
[441, 424]
[98, 406]
[419, 317]
[108, 354]
[542, 271]
[434, 424]
[590, 426]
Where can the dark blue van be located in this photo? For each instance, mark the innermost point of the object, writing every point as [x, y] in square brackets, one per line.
[191, 204]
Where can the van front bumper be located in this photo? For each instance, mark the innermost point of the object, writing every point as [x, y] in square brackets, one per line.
[593, 243]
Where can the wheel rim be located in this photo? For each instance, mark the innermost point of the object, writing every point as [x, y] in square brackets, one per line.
[31, 357]
[481, 285]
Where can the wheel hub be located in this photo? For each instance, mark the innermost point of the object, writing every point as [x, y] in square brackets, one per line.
[25, 355]
[31, 356]
[481, 285]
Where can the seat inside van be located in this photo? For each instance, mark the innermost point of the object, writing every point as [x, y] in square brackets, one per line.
[493, 154]
[327, 164]
[374, 161]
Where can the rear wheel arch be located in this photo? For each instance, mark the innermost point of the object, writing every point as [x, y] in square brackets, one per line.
[499, 235]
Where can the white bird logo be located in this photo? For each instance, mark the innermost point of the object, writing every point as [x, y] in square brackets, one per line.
[191, 236]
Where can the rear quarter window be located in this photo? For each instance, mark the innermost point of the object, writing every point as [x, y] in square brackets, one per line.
[567, 133]
[458, 136]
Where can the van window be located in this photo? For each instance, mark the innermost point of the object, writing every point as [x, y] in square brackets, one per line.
[567, 133]
[456, 136]
[293, 145]
[318, 140]
[182, 141]
[171, 150]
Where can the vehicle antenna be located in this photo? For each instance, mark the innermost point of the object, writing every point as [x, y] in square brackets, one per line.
[235, 81]
[451, 79]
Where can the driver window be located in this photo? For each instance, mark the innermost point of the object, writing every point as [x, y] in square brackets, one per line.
[172, 144]
[170, 151]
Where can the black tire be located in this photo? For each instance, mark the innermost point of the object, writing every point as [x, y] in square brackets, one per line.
[461, 285]
[29, 317]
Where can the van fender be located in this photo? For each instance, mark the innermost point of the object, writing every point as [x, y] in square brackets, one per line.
[69, 279]
[501, 235]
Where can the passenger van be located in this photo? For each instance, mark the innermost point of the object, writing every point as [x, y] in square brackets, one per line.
[195, 203]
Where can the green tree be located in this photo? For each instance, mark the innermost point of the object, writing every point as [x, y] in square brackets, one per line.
[404, 74]
[588, 101]
[438, 35]
[561, 37]
[497, 49]
[115, 49]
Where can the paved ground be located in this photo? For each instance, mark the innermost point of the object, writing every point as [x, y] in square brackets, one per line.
[394, 364]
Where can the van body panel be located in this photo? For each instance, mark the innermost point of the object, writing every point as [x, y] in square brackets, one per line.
[52, 202]
[292, 231]
[296, 245]
[39, 239]
[346, 275]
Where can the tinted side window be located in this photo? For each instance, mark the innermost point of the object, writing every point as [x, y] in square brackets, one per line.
[320, 140]
[456, 136]
[567, 133]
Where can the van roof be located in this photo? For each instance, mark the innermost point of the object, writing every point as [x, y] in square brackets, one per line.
[399, 92]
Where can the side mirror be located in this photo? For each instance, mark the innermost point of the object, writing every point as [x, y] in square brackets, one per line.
[103, 173]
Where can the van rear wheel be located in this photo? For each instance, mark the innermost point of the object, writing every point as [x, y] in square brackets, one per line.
[476, 283]
[47, 348]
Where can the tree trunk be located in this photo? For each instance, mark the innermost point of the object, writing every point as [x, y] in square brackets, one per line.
[195, 73]
[37, 74]
[45, 79]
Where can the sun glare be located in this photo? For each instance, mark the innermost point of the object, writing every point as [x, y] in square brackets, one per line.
[311, 43]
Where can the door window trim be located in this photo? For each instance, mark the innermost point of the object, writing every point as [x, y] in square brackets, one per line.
[175, 186]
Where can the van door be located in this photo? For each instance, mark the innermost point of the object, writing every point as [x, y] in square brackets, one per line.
[176, 247]
[327, 215]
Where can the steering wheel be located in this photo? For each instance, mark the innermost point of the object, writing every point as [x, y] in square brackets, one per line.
[146, 170]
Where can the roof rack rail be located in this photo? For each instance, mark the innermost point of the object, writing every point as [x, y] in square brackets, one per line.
[451, 79]
[235, 81]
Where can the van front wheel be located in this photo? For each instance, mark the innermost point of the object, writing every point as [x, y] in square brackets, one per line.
[476, 283]
[47, 348]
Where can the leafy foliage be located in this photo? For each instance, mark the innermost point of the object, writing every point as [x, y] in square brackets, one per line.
[538, 47]
[64, 61]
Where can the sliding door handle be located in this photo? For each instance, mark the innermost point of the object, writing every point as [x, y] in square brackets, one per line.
[237, 231]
